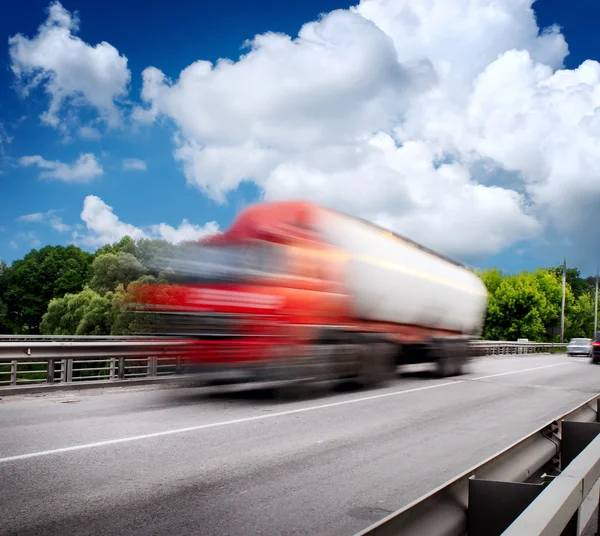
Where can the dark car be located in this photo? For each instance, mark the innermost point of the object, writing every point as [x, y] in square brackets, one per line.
[596, 349]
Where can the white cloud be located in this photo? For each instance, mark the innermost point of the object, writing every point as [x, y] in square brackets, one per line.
[185, 232]
[4, 139]
[105, 227]
[34, 217]
[70, 70]
[84, 169]
[89, 133]
[412, 196]
[49, 217]
[30, 238]
[59, 225]
[452, 121]
[135, 163]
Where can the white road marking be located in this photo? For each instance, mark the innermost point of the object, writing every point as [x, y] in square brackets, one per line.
[217, 424]
[518, 371]
[256, 417]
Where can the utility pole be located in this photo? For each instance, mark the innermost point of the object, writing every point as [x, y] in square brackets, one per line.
[596, 307]
[562, 313]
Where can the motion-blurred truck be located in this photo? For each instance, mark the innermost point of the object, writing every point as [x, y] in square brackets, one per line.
[295, 291]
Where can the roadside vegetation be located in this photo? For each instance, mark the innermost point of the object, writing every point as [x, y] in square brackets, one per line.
[61, 290]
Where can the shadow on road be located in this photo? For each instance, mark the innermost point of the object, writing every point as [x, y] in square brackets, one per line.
[259, 394]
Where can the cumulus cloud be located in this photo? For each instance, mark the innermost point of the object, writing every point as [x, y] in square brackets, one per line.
[84, 169]
[69, 70]
[49, 217]
[451, 121]
[446, 120]
[413, 195]
[105, 227]
[135, 164]
[185, 232]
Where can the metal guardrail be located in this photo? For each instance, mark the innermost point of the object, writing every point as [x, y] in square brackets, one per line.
[70, 360]
[557, 509]
[537, 486]
[37, 359]
[508, 348]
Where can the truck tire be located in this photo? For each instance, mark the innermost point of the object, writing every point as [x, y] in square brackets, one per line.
[376, 364]
[449, 361]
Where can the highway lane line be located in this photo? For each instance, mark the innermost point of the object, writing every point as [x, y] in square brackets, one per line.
[222, 423]
[129, 439]
[518, 371]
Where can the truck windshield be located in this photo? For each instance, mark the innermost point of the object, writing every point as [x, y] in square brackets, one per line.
[223, 263]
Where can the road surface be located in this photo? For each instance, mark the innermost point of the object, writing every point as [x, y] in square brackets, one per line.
[156, 461]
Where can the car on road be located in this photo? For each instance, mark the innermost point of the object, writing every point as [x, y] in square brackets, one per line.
[580, 346]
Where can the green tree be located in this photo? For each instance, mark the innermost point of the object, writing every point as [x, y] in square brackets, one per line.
[522, 305]
[52, 321]
[84, 313]
[30, 283]
[150, 252]
[4, 327]
[580, 320]
[111, 269]
[98, 316]
[153, 254]
[550, 287]
[125, 245]
[578, 284]
[65, 314]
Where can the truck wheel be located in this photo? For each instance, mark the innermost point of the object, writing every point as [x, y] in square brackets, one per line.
[376, 364]
[449, 363]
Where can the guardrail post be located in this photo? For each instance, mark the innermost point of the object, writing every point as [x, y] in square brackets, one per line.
[494, 505]
[13, 372]
[575, 437]
[112, 371]
[121, 371]
[50, 373]
[67, 370]
[152, 366]
[178, 365]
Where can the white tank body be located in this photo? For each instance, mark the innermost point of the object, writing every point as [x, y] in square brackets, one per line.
[393, 280]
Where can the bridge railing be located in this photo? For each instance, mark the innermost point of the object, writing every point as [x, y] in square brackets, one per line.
[544, 484]
[507, 348]
[35, 360]
[38, 359]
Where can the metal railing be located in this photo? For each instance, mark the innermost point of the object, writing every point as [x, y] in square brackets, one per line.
[508, 348]
[56, 359]
[537, 486]
[36, 360]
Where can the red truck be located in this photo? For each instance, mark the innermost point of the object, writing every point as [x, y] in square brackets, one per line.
[295, 291]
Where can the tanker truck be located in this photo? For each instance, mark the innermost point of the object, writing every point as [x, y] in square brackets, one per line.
[293, 291]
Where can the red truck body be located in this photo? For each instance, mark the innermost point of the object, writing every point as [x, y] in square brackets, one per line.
[282, 301]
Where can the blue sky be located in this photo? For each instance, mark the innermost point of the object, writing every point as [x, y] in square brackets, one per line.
[157, 192]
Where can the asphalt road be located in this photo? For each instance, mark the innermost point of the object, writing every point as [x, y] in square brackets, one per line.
[156, 461]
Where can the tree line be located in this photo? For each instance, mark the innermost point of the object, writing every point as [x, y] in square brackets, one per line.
[66, 291]
[63, 290]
